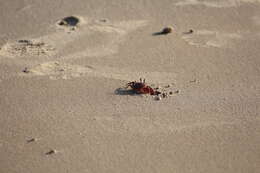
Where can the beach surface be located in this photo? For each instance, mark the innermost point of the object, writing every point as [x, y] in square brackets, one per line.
[64, 66]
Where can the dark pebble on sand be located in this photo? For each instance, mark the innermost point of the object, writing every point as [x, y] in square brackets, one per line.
[51, 152]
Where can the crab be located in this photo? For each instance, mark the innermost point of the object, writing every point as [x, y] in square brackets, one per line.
[142, 88]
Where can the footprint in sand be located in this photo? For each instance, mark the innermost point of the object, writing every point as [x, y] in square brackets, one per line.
[85, 37]
[90, 38]
[25, 48]
[57, 70]
[207, 38]
[96, 38]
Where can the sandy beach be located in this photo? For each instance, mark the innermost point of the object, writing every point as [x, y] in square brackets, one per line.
[64, 67]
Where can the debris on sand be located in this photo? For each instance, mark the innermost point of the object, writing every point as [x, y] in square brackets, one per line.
[158, 98]
[32, 140]
[26, 70]
[188, 32]
[51, 152]
[165, 31]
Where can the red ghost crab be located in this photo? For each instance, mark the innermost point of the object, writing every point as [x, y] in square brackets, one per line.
[142, 88]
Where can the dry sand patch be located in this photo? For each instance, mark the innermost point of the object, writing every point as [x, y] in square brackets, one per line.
[216, 3]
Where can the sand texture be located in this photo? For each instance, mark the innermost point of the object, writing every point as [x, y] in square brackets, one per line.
[64, 102]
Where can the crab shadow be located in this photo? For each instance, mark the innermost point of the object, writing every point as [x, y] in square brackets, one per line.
[158, 33]
[123, 91]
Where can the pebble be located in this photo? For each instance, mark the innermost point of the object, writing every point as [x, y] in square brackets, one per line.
[26, 70]
[103, 20]
[189, 32]
[158, 98]
[32, 140]
[164, 95]
[167, 86]
[51, 152]
[167, 30]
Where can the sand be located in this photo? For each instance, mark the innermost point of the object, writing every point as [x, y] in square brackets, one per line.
[63, 102]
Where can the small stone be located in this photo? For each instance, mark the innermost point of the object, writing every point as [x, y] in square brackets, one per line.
[189, 32]
[167, 30]
[51, 152]
[32, 140]
[63, 22]
[103, 20]
[164, 95]
[158, 87]
[158, 98]
[170, 92]
[167, 86]
[195, 80]
[26, 70]
[177, 91]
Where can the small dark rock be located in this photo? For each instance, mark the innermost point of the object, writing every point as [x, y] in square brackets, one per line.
[103, 20]
[31, 140]
[177, 91]
[164, 95]
[188, 32]
[167, 30]
[158, 98]
[26, 70]
[51, 152]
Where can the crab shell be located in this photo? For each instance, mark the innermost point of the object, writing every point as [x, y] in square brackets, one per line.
[141, 88]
